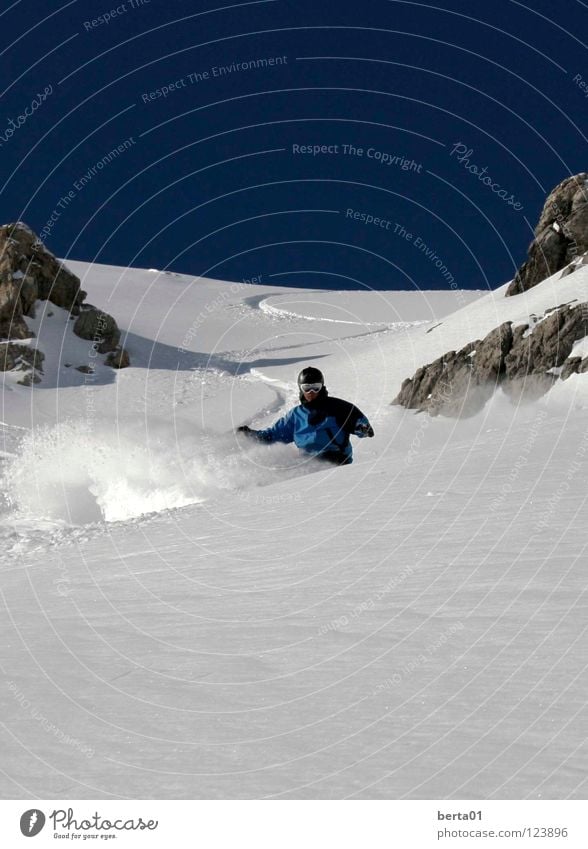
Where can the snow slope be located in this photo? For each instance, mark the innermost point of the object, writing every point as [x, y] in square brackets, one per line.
[188, 615]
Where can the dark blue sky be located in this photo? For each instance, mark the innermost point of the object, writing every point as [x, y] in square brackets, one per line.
[439, 130]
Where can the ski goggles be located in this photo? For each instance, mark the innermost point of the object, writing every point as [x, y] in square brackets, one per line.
[311, 387]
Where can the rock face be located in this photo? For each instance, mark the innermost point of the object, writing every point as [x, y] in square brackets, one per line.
[525, 361]
[561, 235]
[29, 272]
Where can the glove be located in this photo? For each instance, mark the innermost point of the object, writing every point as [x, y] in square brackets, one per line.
[365, 430]
[246, 430]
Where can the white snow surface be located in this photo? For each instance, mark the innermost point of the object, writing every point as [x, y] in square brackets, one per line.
[190, 615]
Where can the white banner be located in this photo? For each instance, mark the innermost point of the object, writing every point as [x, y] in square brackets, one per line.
[295, 824]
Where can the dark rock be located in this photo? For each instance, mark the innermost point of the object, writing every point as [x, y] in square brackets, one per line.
[519, 360]
[445, 386]
[570, 367]
[28, 272]
[13, 325]
[20, 357]
[561, 234]
[415, 391]
[459, 383]
[490, 354]
[547, 254]
[99, 327]
[118, 359]
[458, 394]
[550, 342]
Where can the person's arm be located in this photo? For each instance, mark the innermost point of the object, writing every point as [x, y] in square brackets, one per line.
[351, 420]
[360, 425]
[281, 431]
[363, 427]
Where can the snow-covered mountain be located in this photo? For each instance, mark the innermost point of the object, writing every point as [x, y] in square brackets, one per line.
[189, 615]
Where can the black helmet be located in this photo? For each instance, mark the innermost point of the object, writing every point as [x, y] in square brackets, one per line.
[310, 375]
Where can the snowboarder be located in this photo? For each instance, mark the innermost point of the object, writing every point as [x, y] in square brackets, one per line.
[320, 425]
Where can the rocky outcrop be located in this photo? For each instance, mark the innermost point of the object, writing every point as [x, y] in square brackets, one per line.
[561, 234]
[525, 361]
[22, 358]
[460, 382]
[577, 263]
[28, 273]
[548, 343]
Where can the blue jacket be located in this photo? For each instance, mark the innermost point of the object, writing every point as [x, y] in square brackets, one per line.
[321, 427]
